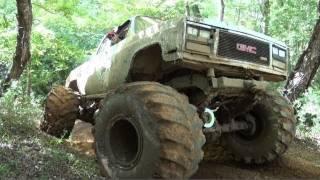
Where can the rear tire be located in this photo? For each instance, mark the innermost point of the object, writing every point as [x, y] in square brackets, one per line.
[61, 111]
[274, 123]
[147, 130]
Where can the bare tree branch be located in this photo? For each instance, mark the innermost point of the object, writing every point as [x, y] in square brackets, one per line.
[222, 10]
[44, 8]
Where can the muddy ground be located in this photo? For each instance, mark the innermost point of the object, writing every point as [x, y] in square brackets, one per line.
[301, 161]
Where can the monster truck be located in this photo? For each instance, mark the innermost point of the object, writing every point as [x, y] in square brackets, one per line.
[154, 88]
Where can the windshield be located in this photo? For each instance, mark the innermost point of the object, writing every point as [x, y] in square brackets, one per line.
[144, 22]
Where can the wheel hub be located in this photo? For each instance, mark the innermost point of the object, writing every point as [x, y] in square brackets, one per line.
[251, 120]
[125, 143]
[252, 131]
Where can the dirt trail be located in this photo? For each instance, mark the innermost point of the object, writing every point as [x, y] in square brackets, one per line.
[301, 161]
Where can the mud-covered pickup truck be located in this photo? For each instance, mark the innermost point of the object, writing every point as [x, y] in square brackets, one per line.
[157, 91]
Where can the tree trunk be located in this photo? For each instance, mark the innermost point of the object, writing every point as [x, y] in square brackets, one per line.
[22, 54]
[222, 10]
[266, 14]
[306, 67]
[238, 16]
[188, 9]
[29, 83]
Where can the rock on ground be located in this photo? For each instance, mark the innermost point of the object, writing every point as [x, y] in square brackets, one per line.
[81, 137]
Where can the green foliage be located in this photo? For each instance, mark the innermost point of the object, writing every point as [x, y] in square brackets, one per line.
[293, 21]
[308, 113]
[18, 110]
[52, 59]
[4, 169]
[7, 13]
[7, 32]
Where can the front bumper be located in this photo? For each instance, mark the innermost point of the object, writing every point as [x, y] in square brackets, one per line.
[224, 82]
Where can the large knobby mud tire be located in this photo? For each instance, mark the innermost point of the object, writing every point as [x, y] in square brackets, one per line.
[61, 111]
[275, 130]
[146, 130]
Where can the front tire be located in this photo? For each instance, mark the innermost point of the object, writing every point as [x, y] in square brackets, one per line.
[147, 130]
[61, 111]
[272, 130]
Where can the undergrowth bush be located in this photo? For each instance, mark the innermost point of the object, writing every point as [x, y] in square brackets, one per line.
[19, 110]
[308, 114]
[26, 152]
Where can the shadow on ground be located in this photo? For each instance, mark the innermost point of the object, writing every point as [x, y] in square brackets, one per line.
[301, 161]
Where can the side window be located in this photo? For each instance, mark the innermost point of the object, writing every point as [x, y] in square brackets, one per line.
[113, 37]
[119, 33]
